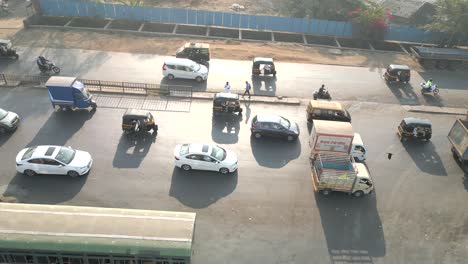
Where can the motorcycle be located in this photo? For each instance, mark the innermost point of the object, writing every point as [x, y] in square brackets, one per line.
[47, 68]
[322, 95]
[432, 89]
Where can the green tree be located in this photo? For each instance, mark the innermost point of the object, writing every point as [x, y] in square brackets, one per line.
[451, 18]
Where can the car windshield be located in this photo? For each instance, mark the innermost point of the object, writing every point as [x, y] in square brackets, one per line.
[28, 153]
[3, 113]
[195, 67]
[218, 152]
[65, 155]
[284, 122]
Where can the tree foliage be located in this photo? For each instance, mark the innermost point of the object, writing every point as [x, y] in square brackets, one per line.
[451, 18]
[370, 20]
[319, 9]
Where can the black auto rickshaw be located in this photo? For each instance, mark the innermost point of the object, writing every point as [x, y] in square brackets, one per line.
[265, 64]
[138, 121]
[397, 73]
[7, 50]
[416, 128]
[226, 103]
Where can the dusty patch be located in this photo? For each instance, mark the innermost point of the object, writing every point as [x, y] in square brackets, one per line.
[221, 49]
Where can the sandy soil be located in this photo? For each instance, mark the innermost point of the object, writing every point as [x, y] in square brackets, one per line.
[220, 49]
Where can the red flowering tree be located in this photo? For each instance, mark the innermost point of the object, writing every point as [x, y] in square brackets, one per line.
[370, 21]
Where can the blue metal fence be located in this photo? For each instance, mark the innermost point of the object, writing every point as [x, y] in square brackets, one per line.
[83, 8]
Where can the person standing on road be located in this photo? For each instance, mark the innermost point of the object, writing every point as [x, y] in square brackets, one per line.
[227, 88]
[247, 89]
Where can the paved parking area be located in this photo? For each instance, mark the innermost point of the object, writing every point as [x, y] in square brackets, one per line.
[266, 212]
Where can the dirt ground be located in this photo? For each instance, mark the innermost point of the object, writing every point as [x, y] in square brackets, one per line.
[257, 7]
[220, 49]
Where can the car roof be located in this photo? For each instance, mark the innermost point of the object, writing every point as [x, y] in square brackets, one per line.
[199, 148]
[179, 61]
[397, 66]
[417, 121]
[257, 59]
[227, 95]
[329, 105]
[268, 118]
[41, 151]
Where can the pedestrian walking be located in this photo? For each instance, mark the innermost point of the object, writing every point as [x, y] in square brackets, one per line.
[247, 89]
[227, 88]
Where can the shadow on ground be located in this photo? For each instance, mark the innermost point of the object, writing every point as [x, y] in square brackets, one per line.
[264, 85]
[424, 155]
[199, 189]
[404, 92]
[352, 227]
[132, 149]
[274, 152]
[225, 128]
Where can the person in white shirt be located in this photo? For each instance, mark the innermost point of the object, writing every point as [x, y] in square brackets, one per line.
[227, 88]
[267, 69]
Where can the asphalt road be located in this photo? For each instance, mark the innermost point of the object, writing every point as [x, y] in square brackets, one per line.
[293, 79]
[267, 212]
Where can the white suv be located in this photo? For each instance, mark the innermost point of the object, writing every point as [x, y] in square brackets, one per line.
[184, 69]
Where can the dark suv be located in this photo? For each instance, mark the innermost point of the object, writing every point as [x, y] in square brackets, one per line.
[198, 52]
[274, 126]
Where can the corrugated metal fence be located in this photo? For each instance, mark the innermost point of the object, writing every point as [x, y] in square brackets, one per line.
[231, 20]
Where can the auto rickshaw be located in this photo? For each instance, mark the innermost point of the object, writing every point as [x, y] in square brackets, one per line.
[7, 50]
[226, 103]
[397, 73]
[416, 128]
[138, 121]
[268, 66]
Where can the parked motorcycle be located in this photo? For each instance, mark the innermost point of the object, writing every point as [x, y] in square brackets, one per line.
[322, 95]
[46, 66]
[432, 89]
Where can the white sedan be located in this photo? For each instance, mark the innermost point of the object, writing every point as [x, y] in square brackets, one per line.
[53, 160]
[205, 157]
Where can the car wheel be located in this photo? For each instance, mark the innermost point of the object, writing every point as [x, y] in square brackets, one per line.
[291, 138]
[29, 173]
[73, 174]
[257, 135]
[358, 194]
[199, 79]
[170, 77]
[326, 192]
[186, 167]
[224, 170]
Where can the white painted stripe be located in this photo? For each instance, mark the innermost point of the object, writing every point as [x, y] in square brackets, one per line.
[99, 214]
[16, 232]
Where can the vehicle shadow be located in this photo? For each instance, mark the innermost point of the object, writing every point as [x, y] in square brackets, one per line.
[352, 227]
[199, 189]
[44, 189]
[5, 136]
[434, 100]
[274, 153]
[404, 92]
[132, 149]
[67, 122]
[425, 156]
[225, 128]
[264, 85]
[196, 87]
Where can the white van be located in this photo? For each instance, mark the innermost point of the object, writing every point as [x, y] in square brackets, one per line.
[184, 69]
[358, 150]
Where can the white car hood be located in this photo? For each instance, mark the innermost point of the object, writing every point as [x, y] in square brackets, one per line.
[231, 157]
[81, 159]
[203, 69]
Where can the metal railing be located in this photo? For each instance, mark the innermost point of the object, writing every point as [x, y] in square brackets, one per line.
[148, 89]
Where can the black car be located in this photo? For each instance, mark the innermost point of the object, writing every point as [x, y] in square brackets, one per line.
[274, 126]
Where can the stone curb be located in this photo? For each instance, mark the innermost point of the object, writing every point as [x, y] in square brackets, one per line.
[436, 110]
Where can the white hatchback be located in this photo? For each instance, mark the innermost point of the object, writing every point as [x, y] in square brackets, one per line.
[184, 69]
[205, 157]
[53, 160]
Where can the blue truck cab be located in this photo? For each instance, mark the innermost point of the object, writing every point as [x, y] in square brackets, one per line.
[69, 93]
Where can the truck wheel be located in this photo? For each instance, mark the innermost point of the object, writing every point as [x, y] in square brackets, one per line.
[358, 194]
[63, 108]
[94, 106]
[326, 192]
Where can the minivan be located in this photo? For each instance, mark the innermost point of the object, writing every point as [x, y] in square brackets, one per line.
[327, 110]
[184, 69]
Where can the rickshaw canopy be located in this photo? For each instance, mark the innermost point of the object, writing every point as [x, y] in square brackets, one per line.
[136, 114]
